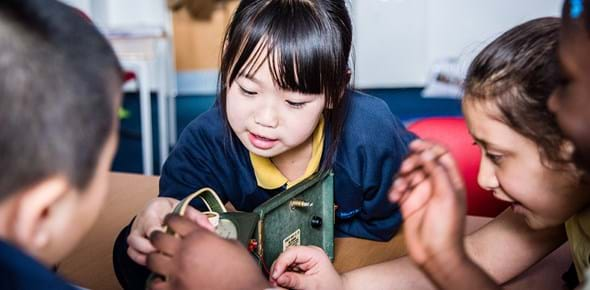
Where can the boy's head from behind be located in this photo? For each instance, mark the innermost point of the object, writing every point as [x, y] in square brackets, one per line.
[59, 89]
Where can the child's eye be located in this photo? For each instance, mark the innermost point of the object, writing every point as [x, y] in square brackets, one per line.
[296, 104]
[496, 159]
[247, 92]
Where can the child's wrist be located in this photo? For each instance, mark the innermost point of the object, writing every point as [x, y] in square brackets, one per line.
[446, 263]
[450, 268]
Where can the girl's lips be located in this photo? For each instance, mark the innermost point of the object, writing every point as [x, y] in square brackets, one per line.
[261, 142]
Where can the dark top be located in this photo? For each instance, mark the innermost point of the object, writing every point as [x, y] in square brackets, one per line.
[372, 147]
[20, 271]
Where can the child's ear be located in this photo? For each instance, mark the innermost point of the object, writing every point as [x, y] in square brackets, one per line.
[567, 149]
[34, 212]
[567, 152]
[348, 76]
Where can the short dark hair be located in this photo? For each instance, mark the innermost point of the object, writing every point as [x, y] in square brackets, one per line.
[59, 84]
[308, 47]
[517, 73]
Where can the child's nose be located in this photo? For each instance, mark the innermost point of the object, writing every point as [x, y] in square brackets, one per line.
[486, 178]
[267, 117]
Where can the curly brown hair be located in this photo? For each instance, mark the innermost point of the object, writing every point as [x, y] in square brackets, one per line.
[517, 73]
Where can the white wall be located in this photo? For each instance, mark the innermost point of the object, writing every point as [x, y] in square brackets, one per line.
[83, 5]
[124, 13]
[121, 13]
[398, 40]
[390, 38]
[130, 15]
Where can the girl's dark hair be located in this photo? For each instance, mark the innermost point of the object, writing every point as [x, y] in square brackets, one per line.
[307, 44]
[517, 73]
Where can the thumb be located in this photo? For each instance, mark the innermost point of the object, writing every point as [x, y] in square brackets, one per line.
[292, 280]
[199, 218]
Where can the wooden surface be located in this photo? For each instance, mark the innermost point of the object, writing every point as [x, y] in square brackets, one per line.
[90, 265]
[351, 253]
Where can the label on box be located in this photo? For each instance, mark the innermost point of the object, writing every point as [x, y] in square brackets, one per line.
[293, 239]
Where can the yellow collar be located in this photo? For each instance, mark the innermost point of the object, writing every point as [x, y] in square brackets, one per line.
[268, 175]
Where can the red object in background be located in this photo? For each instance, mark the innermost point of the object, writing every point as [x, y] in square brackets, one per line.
[452, 132]
[127, 75]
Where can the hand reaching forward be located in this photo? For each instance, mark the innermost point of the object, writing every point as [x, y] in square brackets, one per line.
[196, 258]
[305, 267]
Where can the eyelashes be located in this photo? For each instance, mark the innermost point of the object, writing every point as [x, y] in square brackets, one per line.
[247, 92]
[296, 105]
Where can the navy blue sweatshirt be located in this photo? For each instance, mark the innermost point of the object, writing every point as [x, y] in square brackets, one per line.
[372, 147]
[21, 272]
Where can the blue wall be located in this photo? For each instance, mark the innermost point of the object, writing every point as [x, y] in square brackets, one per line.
[407, 104]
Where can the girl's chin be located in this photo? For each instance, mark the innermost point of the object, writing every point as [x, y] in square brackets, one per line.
[267, 153]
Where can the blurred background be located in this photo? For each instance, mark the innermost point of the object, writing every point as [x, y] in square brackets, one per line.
[411, 53]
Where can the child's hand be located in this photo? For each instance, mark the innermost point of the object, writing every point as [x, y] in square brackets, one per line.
[304, 267]
[196, 258]
[151, 219]
[431, 195]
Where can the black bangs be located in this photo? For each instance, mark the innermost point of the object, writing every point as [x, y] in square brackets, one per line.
[307, 45]
[300, 53]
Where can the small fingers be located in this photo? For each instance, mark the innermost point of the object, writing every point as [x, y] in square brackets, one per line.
[282, 263]
[180, 225]
[199, 218]
[137, 257]
[414, 161]
[452, 169]
[140, 243]
[403, 184]
[291, 280]
[302, 257]
[159, 284]
[411, 163]
[160, 263]
[442, 182]
[416, 199]
[165, 243]
[420, 145]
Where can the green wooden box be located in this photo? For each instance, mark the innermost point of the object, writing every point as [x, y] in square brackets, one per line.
[301, 215]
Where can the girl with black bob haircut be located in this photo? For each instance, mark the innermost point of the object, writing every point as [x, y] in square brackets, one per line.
[284, 112]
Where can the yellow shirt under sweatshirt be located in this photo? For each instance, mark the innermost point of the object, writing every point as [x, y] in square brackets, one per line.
[268, 175]
[578, 234]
